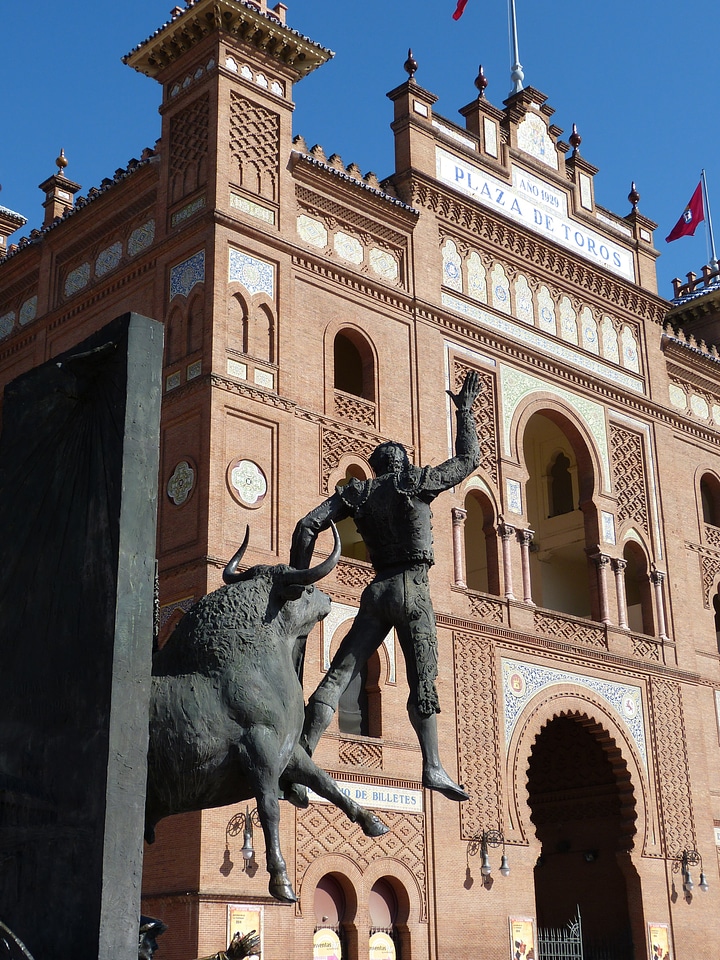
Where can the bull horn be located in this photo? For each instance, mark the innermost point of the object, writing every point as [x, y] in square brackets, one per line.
[303, 578]
[230, 573]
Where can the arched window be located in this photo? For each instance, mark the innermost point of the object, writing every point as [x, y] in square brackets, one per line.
[195, 324]
[354, 365]
[638, 591]
[710, 497]
[386, 931]
[481, 545]
[716, 608]
[560, 476]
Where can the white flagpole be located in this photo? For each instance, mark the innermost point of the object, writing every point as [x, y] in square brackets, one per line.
[516, 71]
[706, 198]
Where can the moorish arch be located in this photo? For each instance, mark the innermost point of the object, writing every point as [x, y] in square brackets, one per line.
[579, 794]
[560, 505]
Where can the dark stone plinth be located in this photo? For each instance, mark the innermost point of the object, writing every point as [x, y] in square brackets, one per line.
[78, 504]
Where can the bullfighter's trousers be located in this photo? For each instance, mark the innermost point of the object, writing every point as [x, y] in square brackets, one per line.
[398, 597]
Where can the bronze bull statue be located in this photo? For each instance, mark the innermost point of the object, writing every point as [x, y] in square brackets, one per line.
[227, 706]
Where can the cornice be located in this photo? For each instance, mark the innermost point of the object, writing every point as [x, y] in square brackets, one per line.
[359, 284]
[264, 31]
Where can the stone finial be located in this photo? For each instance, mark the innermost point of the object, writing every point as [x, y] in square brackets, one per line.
[634, 196]
[575, 140]
[481, 82]
[410, 65]
[61, 161]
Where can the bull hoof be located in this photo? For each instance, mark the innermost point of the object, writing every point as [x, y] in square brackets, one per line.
[372, 826]
[282, 890]
[149, 834]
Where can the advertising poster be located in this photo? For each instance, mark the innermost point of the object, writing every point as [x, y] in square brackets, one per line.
[382, 946]
[659, 940]
[522, 938]
[326, 945]
[244, 919]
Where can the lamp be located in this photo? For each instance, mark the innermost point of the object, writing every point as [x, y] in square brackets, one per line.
[243, 823]
[482, 845]
[683, 862]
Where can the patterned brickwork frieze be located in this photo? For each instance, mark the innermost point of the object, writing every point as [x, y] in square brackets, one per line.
[646, 648]
[189, 137]
[712, 535]
[486, 609]
[628, 474]
[354, 575]
[323, 829]
[478, 733]
[484, 416]
[350, 407]
[673, 774]
[255, 145]
[710, 565]
[361, 754]
[570, 631]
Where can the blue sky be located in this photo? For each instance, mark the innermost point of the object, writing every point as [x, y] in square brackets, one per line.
[639, 79]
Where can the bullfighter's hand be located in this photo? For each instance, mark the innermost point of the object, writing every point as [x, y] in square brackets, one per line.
[469, 392]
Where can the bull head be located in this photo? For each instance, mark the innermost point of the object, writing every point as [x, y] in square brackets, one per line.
[290, 581]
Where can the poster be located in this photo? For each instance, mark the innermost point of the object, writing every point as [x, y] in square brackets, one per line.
[244, 919]
[522, 938]
[382, 946]
[659, 941]
[326, 945]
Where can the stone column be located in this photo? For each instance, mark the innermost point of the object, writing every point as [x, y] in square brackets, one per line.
[459, 516]
[506, 532]
[525, 538]
[601, 562]
[657, 578]
[619, 566]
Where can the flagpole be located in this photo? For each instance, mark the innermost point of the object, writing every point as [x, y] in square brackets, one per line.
[516, 71]
[714, 260]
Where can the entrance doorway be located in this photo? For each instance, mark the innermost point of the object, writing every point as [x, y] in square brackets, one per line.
[583, 808]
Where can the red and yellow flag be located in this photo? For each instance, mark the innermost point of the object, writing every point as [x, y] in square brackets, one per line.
[460, 9]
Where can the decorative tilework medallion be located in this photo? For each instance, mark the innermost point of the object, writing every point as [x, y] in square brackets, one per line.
[312, 231]
[523, 681]
[452, 271]
[141, 238]
[699, 406]
[491, 139]
[7, 322]
[77, 279]
[181, 483]
[477, 282]
[257, 276]
[263, 378]
[347, 247]
[247, 483]
[184, 276]
[168, 609]
[108, 259]
[172, 382]
[383, 264]
[237, 369]
[194, 370]
[28, 311]
[514, 496]
[678, 397]
[533, 138]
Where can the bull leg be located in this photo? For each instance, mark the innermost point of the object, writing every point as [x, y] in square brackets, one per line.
[302, 769]
[269, 813]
